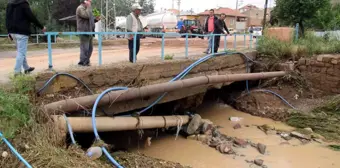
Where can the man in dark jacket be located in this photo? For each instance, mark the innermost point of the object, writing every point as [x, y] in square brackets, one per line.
[85, 23]
[18, 23]
[209, 28]
[220, 28]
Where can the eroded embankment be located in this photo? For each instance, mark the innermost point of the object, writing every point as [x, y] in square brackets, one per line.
[137, 75]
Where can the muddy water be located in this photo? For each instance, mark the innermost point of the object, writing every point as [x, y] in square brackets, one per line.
[197, 155]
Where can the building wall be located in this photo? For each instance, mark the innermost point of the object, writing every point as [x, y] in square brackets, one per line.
[255, 17]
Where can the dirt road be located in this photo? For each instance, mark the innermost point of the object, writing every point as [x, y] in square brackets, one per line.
[68, 58]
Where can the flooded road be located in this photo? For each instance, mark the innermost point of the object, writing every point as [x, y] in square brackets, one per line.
[198, 155]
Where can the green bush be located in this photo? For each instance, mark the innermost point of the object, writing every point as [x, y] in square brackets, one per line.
[307, 46]
[15, 105]
[274, 48]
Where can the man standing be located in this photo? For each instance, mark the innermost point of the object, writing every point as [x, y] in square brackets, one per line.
[220, 28]
[209, 28]
[19, 17]
[133, 24]
[85, 23]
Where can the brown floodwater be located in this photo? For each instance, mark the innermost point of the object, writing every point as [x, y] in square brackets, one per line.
[195, 154]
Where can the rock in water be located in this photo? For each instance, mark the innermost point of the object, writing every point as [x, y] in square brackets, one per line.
[258, 162]
[262, 148]
[286, 136]
[298, 135]
[194, 124]
[4, 154]
[241, 142]
[237, 126]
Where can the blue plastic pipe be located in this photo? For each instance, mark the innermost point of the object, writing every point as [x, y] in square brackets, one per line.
[94, 123]
[14, 151]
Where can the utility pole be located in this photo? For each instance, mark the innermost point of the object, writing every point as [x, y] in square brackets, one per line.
[107, 17]
[236, 14]
[265, 16]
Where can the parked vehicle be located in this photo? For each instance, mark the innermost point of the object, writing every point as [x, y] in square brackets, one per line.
[257, 32]
[191, 26]
[162, 22]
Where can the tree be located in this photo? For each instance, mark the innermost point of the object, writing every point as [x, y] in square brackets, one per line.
[298, 11]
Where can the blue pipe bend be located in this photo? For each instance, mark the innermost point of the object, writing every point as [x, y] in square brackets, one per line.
[15, 152]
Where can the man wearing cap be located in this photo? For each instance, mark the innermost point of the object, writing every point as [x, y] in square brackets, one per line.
[85, 23]
[133, 24]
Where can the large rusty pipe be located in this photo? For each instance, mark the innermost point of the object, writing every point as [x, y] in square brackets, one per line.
[106, 124]
[70, 105]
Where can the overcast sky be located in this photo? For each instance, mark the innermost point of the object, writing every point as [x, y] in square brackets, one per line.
[201, 5]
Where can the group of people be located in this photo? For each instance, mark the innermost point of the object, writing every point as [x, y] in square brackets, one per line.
[19, 18]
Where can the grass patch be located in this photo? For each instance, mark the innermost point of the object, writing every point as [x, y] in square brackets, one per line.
[15, 105]
[335, 147]
[270, 47]
[169, 56]
[25, 125]
[324, 120]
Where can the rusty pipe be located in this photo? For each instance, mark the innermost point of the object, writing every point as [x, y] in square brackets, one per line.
[87, 102]
[106, 124]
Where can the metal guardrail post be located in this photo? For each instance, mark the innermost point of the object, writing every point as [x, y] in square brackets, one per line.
[251, 41]
[186, 46]
[100, 40]
[212, 43]
[297, 31]
[162, 52]
[134, 47]
[55, 38]
[245, 41]
[37, 39]
[225, 42]
[49, 43]
[235, 42]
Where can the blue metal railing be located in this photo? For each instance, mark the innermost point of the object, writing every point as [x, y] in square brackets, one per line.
[100, 40]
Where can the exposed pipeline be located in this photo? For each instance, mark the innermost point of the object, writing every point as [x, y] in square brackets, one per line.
[107, 124]
[70, 105]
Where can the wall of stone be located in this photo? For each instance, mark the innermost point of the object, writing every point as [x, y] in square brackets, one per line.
[322, 71]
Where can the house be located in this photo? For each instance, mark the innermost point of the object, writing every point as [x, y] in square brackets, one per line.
[230, 19]
[248, 7]
[254, 15]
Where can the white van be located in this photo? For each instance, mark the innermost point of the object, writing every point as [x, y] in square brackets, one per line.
[257, 32]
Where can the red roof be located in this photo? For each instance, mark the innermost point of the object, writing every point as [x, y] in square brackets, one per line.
[227, 11]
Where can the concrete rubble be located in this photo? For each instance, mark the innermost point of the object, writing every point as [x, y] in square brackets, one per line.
[208, 134]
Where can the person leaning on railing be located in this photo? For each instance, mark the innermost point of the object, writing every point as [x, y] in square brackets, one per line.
[220, 28]
[133, 24]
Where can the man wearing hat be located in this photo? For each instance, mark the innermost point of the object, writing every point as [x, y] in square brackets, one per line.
[133, 24]
[85, 23]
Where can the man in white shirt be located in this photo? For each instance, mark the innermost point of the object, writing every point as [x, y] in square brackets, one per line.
[133, 24]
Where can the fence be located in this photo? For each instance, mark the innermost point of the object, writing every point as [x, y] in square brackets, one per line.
[333, 34]
[101, 34]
